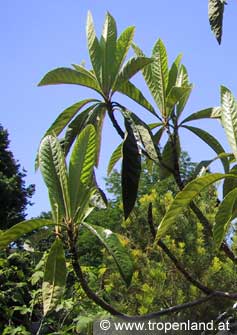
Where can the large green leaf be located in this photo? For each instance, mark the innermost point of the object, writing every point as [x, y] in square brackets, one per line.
[131, 170]
[148, 75]
[133, 66]
[53, 168]
[100, 117]
[117, 250]
[115, 157]
[135, 94]
[229, 117]
[215, 14]
[94, 49]
[123, 44]
[24, 227]
[65, 75]
[160, 74]
[88, 116]
[224, 217]
[183, 199]
[146, 136]
[170, 153]
[54, 277]
[213, 112]
[230, 183]
[108, 46]
[212, 142]
[173, 73]
[66, 116]
[157, 136]
[175, 95]
[183, 81]
[81, 165]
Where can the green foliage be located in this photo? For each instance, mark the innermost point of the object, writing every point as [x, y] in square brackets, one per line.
[159, 188]
[15, 196]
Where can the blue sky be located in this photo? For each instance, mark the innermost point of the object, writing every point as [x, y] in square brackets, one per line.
[37, 36]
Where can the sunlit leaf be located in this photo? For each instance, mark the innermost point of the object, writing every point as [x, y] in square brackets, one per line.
[81, 165]
[160, 74]
[54, 277]
[115, 157]
[123, 44]
[173, 73]
[183, 199]
[24, 227]
[213, 112]
[117, 250]
[229, 117]
[135, 94]
[108, 39]
[53, 168]
[65, 75]
[133, 66]
[224, 217]
[94, 48]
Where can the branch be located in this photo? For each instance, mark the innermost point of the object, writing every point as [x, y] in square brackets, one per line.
[78, 271]
[113, 120]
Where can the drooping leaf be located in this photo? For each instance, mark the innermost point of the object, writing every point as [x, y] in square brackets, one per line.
[212, 142]
[183, 199]
[146, 137]
[133, 66]
[94, 49]
[81, 165]
[215, 14]
[173, 73]
[53, 168]
[224, 217]
[117, 250]
[131, 170]
[170, 153]
[135, 94]
[65, 75]
[54, 277]
[115, 157]
[24, 227]
[123, 44]
[229, 117]
[213, 112]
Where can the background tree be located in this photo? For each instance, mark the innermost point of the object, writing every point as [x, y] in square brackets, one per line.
[14, 194]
